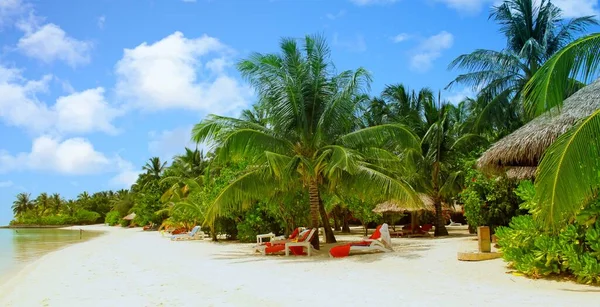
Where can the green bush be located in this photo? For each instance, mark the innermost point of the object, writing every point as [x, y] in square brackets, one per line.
[124, 223]
[256, 221]
[83, 216]
[575, 250]
[489, 201]
[57, 220]
[112, 218]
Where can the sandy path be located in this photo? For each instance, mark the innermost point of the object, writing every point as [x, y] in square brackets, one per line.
[128, 267]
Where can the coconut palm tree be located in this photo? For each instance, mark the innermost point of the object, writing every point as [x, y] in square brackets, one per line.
[42, 204]
[534, 31]
[22, 204]
[409, 107]
[154, 167]
[57, 202]
[569, 174]
[308, 140]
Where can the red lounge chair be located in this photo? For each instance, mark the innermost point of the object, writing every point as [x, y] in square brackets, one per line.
[373, 243]
[296, 246]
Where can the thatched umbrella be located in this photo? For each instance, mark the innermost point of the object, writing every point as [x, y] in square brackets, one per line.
[520, 152]
[129, 217]
[395, 207]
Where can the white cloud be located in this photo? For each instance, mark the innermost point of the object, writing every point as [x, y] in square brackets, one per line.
[429, 50]
[18, 102]
[169, 74]
[84, 112]
[100, 22]
[9, 9]
[401, 37]
[578, 8]
[355, 44]
[570, 8]
[335, 16]
[372, 2]
[127, 174]
[78, 112]
[73, 156]
[50, 43]
[456, 96]
[168, 143]
[6, 184]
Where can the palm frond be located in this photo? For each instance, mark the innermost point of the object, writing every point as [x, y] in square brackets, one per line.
[569, 174]
[549, 86]
[381, 135]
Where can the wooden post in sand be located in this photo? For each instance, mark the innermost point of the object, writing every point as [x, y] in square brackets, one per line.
[483, 238]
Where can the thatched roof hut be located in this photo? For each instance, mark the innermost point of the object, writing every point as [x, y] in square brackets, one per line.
[130, 217]
[520, 152]
[393, 207]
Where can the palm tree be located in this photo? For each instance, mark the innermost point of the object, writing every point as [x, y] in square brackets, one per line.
[432, 166]
[409, 107]
[42, 204]
[154, 167]
[568, 176]
[57, 202]
[534, 31]
[308, 140]
[22, 204]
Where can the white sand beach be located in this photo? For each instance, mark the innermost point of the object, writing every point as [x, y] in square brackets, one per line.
[129, 267]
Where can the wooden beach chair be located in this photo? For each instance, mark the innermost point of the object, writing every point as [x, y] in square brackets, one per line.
[195, 234]
[379, 241]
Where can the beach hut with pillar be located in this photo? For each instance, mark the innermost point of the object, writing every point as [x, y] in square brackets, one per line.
[519, 153]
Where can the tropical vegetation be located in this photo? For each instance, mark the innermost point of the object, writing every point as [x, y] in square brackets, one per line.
[316, 149]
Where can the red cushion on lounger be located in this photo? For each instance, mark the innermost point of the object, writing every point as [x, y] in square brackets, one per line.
[340, 251]
[304, 236]
[271, 249]
[377, 234]
[295, 233]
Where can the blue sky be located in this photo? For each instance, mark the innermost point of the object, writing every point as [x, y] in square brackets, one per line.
[89, 90]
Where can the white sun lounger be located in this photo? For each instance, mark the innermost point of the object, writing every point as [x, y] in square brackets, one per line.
[304, 244]
[195, 234]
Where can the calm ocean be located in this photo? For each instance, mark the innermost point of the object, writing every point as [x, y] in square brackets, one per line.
[20, 246]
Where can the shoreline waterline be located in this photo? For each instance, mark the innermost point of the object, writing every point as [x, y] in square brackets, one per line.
[21, 247]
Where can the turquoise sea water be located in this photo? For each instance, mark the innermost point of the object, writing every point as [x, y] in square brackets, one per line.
[20, 246]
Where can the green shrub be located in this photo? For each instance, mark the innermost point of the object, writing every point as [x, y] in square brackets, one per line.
[257, 221]
[112, 218]
[489, 201]
[575, 250]
[124, 223]
[57, 220]
[83, 216]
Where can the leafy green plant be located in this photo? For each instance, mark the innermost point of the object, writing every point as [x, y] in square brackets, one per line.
[489, 201]
[257, 220]
[112, 218]
[529, 248]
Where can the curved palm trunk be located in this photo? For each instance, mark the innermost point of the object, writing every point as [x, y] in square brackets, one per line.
[329, 236]
[315, 199]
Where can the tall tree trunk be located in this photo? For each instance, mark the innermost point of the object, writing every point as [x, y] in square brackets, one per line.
[329, 236]
[345, 224]
[440, 221]
[314, 198]
[336, 218]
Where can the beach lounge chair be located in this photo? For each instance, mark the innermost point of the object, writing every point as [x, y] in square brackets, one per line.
[280, 246]
[273, 238]
[195, 234]
[380, 241]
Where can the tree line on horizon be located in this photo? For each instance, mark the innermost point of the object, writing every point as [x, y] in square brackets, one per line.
[317, 149]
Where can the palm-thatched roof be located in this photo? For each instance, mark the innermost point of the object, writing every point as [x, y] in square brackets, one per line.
[395, 207]
[520, 152]
[130, 217]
